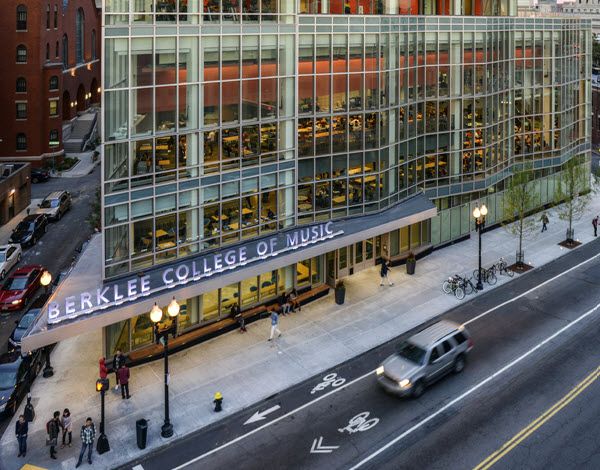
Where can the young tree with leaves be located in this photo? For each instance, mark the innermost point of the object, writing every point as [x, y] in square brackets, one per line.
[573, 193]
[518, 201]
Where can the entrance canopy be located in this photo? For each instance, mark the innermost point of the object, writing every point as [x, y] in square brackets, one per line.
[84, 302]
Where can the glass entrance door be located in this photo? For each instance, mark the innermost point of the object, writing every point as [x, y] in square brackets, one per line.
[363, 255]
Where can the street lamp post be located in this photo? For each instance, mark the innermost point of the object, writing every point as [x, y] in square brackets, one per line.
[162, 336]
[479, 213]
[45, 281]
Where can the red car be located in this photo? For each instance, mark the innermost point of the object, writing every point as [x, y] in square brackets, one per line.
[20, 287]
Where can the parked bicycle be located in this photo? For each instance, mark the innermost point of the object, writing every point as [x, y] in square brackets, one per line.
[467, 285]
[487, 275]
[454, 285]
[502, 268]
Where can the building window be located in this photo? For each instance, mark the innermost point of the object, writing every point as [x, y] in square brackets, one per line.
[79, 31]
[53, 107]
[21, 110]
[21, 18]
[53, 138]
[93, 44]
[65, 53]
[21, 85]
[21, 142]
[47, 51]
[55, 17]
[48, 16]
[53, 85]
[21, 54]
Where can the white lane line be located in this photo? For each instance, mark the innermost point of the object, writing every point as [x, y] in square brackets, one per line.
[474, 388]
[331, 392]
[260, 428]
[547, 281]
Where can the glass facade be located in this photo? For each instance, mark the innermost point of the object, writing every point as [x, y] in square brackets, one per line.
[225, 121]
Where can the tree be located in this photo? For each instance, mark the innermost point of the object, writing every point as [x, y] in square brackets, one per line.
[518, 201]
[573, 193]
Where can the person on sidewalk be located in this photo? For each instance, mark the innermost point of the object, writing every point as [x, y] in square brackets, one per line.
[384, 273]
[545, 220]
[21, 429]
[595, 221]
[293, 300]
[274, 325]
[52, 428]
[88, 433]
[102, 370]
[124, 381]
[66, 423]
[118, 361]
[236, 314]
[284, 304]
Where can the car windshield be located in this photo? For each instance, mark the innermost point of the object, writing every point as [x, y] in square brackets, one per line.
[7, 379]
[26, 321]
[49, 203]
[411, 352]
[26, 227]
[16, 283]
[2, 256]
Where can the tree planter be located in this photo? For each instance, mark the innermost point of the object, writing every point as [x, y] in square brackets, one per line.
[411, 264]
[340, 294]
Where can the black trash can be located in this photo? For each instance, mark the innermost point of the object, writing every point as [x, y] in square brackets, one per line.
[141, 431]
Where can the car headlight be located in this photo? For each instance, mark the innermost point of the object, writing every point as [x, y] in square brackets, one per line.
[379, 370]
[16, 302]
[404, 383]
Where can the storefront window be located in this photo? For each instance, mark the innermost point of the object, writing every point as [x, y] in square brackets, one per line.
[249, 293]
[268, 285]
[117, 337]
[316, 265]
[415, 235]
[285, 279]
[303, 273]
[142, 331]
[210, 306]
[229, 297]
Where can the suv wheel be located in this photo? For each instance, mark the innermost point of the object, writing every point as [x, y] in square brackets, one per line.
[418, 389]
[3, 274]
[459, 364]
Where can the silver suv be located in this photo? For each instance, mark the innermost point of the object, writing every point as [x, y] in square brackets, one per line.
[424, 358]
[55, 205]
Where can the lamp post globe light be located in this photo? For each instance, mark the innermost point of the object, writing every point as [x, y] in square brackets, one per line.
[45, 281]
[479, 214]
[162, 336]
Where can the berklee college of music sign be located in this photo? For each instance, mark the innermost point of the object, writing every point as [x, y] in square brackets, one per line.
[194, 269]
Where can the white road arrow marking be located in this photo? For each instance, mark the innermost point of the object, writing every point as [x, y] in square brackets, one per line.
[319, 448]
[260, 415]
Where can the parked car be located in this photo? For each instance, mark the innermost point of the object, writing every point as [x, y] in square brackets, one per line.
[55, 205]
[425, 358]
[9, 256]
[20, 287]
[39, 175]
[17, 373]
[14, 340]
[29, 230]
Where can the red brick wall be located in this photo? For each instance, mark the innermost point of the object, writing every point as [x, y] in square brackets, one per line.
[37, 71]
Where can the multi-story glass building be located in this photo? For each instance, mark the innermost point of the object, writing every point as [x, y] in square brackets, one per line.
[255, 147]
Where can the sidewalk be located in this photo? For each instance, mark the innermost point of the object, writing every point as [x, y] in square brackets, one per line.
[245, 367]
[81, 168]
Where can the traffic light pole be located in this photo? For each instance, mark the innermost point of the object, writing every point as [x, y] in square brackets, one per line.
[102, 443]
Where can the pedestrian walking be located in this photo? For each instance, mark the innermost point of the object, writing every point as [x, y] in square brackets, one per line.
[66, 422]
[124, 381]
[88, 433]
[595, 221]
[545, 220]
[102, 370]
[384, 273]
[118, 361]
[52, 428]
[236, 314]
[21, 429]
[274, 325]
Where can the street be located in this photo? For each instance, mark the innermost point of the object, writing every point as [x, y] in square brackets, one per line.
[536, 349]
[56, 249]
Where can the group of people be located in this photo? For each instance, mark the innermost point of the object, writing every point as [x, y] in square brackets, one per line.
[121, 373]
[57, 425]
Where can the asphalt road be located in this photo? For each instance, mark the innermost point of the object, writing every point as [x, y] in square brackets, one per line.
[439, 430]
[55, 250]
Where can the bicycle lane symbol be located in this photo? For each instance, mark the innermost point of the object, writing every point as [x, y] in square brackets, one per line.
[360, 423]
[330, 379]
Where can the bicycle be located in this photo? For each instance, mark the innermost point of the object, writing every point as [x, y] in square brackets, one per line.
[487, 275]
[502, 268]
[467, 285]
[453, 285]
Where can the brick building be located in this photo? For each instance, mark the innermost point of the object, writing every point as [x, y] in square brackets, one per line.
[50, 71]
